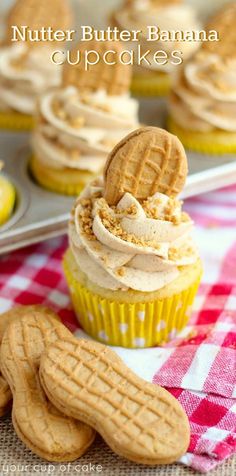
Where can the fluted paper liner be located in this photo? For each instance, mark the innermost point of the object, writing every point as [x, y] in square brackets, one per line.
[157, 84]
[214, 142]
[54, 185]
[130, 325]
[15, 121]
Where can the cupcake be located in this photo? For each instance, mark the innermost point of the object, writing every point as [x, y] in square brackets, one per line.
[7, 198]
[154, 79]
[203, 97]
[79, 123]
[26, 69]
[132, 266]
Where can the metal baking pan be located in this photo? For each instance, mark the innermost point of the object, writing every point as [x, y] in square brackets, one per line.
[40, 214]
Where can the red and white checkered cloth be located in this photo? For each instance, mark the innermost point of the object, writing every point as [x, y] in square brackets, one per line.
[199, 366]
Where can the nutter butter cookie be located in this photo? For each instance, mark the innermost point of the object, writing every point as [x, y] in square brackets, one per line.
[138, 420]
[5, 319]
[147, 161]
[36, 14]
[114, 78]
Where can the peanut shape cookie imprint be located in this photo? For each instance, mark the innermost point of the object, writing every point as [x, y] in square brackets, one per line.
[138, 420]
[149, 160]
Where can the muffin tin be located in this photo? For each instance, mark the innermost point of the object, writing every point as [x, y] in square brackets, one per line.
[40, 214]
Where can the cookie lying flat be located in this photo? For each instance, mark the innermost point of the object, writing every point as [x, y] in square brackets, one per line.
[5, 319]
[138, 420]
[46, 431]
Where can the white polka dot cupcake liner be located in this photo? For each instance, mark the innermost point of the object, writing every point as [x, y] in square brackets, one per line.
[132, 325]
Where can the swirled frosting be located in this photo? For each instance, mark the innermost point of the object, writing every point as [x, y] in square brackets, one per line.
[134, 245]
[144, 13]
[24, 75]
[77, 130]
[204, 94]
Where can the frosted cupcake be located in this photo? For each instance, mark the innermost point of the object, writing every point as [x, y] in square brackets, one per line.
[154, 80]
[79, 123]
[26, 69]
[7, 198]
[132, 266]
[203, 97]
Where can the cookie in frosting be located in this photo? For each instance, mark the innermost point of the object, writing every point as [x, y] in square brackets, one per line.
[132, 261]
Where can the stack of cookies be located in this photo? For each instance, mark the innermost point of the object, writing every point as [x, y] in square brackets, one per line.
[65, 389]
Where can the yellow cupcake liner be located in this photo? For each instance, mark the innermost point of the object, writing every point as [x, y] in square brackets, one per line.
[216, 142]
[132, 325]
[8, 196]
[157, 84]
[52, 184]
[15, 121]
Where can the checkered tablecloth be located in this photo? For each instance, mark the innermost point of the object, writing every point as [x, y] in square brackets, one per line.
[199, 366]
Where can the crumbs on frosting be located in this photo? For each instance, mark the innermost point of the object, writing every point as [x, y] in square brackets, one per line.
[151, 209]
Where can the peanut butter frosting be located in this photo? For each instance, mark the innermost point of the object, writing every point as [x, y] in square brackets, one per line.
[142, 13]
[137, 244]
[25, 74]
[77, 129]
[204, 93]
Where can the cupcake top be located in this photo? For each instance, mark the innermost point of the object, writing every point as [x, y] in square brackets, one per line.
[168, 15]
[204, 90]
[131, 233]
[81, 121]
[26, 69]
[24, 74]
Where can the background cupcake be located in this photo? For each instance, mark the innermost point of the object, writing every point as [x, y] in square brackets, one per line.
[26, 69]
[7, 198]
[168, 15]
[132, 267]
[80, 123]
[203, 97]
